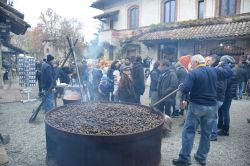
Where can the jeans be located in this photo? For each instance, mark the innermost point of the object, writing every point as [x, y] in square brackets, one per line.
[166, 107]
[197, 114]
[49, 102]
[214, 129]
[240, 89]
[224, 115]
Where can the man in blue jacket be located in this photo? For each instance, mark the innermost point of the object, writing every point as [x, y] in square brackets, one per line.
[47, 77]
[201, 83]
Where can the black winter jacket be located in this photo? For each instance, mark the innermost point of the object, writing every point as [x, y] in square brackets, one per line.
[231, 91]
[168, 82]
[221, 87]
[47, 76]
[221, 90]
[138, 78]
[181, 73]
[154, 76]
[242, 72]
[64, 77]
[111, 78]
[97, 76]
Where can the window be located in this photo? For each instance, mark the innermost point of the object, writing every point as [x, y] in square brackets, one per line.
[134, 17]
[111, 24]
[169, 11]
[198, 48]
[228, 7]
[167, 51]
[201, 9]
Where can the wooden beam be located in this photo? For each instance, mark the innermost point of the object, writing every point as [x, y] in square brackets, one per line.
[12, 10]
[18, 25]
[1, 76]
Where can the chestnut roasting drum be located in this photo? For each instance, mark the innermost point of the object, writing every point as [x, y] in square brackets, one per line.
[103, 134]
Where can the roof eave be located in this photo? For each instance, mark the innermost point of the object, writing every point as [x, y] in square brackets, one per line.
[97, 5]
[18, 25]
[11, 9]
[15, 48]
[106, 15]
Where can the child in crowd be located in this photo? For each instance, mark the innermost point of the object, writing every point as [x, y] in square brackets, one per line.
[104, 89]
[117, 78]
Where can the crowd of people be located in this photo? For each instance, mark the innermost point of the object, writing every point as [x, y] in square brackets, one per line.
[122, 81]
[206, 88]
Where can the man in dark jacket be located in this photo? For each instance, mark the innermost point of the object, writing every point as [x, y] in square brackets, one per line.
[181, 73]
[6, 66]
[224, 111]
[38, 77]
[243, 75]
[47, 80]
[138, 78]
[221, 90]
[97, 76]
[168, 82]
[201, 83]
[154, 76]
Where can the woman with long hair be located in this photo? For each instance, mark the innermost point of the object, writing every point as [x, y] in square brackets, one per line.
[114, 66]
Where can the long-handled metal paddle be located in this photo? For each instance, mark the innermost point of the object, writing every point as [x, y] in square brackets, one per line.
[164, 98]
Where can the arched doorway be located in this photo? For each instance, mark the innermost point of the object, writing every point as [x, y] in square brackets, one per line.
[131, 51]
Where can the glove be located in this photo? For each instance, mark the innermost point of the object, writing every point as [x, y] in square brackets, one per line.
[226, 59]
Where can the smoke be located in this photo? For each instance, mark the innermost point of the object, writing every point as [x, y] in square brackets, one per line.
[93, 51]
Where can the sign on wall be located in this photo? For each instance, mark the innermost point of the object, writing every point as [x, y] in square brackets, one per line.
[27, 71]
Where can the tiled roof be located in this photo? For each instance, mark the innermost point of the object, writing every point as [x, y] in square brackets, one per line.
[225, 30]
[18, 25]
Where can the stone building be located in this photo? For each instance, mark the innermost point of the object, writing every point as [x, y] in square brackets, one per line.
[11, 21]
[169, 28]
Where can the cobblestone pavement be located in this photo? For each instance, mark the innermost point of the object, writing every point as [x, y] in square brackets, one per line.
[27, 145]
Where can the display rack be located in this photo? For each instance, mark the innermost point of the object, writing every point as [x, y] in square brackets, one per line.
[27, 76]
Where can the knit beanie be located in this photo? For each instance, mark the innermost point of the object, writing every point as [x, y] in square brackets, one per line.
[49, 58]
[185, 60]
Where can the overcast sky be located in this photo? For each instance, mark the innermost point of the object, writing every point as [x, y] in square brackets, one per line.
[78, 9]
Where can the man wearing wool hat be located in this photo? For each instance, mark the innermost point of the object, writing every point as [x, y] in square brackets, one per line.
[201, 83]
[47, 78]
